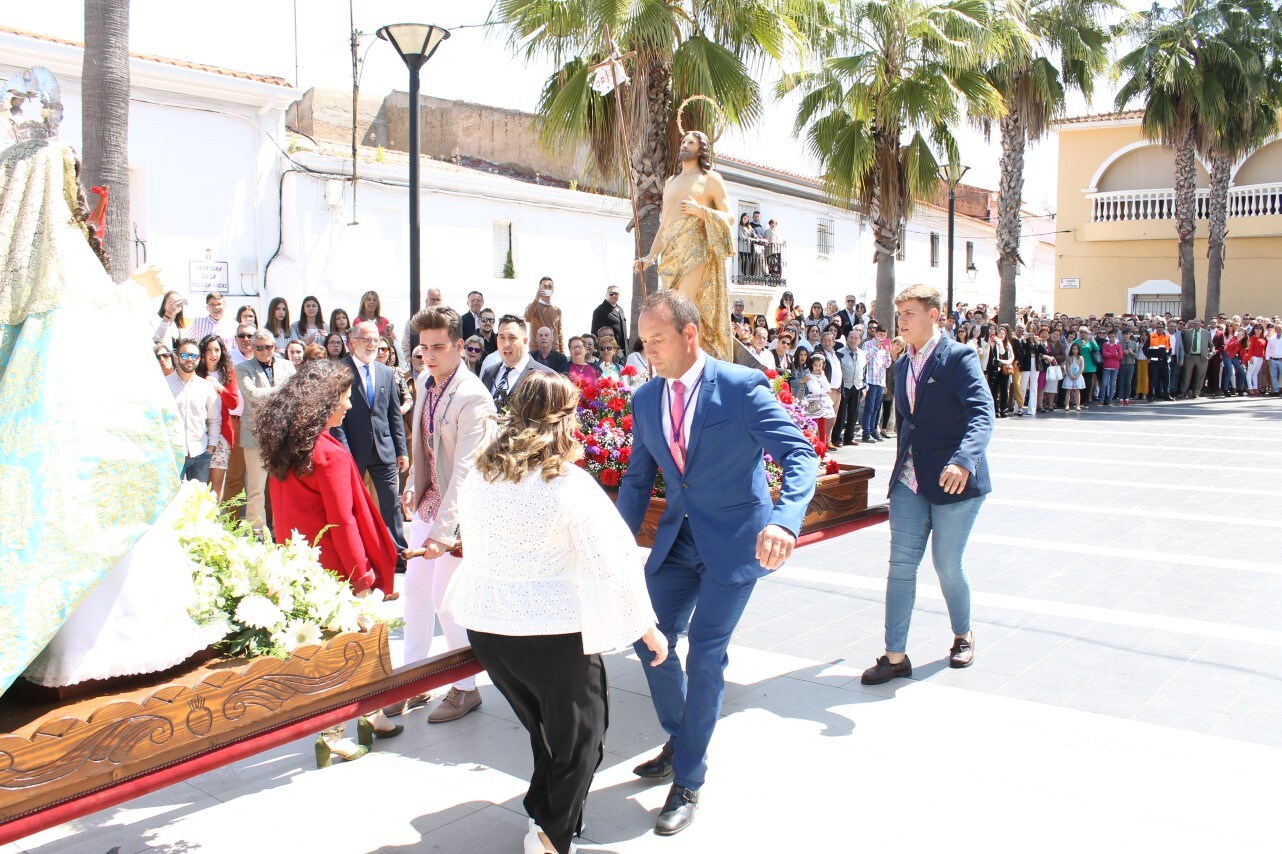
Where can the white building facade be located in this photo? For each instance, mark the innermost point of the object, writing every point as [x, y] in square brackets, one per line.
[216, 178]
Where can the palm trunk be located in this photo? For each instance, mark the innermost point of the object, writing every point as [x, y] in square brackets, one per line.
[1009, 225]
[650, 165]
[1217, 227]
[1186, 219]
[886, 216]
[105, 134]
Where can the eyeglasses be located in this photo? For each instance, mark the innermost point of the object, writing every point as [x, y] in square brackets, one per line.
[469, 349]
[164, 355]
[613, 294]
[362, 339]
[608, 347]
[263, 348]
[189, 357]
[384, 349]
[245, 335]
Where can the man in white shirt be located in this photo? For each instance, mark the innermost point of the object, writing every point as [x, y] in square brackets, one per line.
[200, 412]
[761, 348]
[215, 322]
[1273, 357]
[514, 355]
[472, 319]
[244, 349]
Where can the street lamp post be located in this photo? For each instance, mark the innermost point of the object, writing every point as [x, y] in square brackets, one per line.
[415, 43]
[951, 174]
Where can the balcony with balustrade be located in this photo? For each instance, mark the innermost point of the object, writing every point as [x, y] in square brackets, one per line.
[1253, 211]
[767, 267]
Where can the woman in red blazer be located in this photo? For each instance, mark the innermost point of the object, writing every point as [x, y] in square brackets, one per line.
[316, 491]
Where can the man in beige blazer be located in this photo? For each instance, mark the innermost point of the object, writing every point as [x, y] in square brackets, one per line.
[258, 378]
[453, 419]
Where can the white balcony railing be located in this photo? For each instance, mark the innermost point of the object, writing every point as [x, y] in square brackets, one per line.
[1139, 205]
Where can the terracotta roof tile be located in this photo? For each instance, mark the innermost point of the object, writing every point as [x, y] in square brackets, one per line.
[1101, 117]
[163, 60]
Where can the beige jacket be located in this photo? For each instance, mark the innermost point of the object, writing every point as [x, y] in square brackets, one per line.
[464, 424]
[255, 389]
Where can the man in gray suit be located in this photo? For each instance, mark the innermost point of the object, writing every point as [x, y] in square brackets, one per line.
[258, 379]
[1197, 347]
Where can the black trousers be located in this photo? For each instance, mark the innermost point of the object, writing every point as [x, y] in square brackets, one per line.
[999, 385]
[1159, 379]
[847, 420]
[386, 482]
[560, 696]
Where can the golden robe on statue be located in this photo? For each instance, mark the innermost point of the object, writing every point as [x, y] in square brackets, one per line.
[692, 241]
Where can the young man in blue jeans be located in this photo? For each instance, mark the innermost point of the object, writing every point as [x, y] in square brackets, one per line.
[939, 479]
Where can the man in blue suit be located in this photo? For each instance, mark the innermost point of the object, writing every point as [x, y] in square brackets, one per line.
[705, 423]
[940, 476]
[374, 429]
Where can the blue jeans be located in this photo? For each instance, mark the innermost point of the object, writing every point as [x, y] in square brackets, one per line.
[869, 418]
[688, 701]
[197, 467]
[1275, 374]
[1232, 368]
[912, 520]
[1126, 382]
[1109, 389]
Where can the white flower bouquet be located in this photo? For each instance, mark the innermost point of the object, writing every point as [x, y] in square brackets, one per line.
[275, 598]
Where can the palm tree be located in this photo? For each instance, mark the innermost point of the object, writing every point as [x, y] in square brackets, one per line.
[1252, 80]
[1170, 71]
[901, 75]
[105, 133]
[1055, 45]
[682, 48]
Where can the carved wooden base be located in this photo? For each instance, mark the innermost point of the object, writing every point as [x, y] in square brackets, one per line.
[58, 758]
[839, 498]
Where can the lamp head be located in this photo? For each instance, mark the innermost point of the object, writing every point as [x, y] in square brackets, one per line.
[414, 42]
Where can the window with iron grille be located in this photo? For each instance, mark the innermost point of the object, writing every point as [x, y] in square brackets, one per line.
[823, 233]
[504, 261]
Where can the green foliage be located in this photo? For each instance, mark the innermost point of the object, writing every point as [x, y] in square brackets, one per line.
[509, 269]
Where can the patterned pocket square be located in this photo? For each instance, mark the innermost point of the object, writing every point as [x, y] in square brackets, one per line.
[929, 381]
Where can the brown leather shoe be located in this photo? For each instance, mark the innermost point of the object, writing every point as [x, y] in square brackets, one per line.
[884, 671]
[963, 653]
[455, 705]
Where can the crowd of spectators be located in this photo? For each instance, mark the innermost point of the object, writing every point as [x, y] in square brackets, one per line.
[838, 359]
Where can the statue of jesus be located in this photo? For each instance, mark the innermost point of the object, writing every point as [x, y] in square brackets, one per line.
[694, 240]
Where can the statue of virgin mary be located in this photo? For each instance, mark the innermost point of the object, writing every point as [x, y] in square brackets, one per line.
[93, 582]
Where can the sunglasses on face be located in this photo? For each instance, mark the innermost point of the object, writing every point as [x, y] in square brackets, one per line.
[164, 356]
[469, 349]
[244, 336]
[263, 348]
[384, 349]
[189, 357]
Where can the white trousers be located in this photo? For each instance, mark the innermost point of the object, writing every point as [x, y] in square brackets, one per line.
[1253, 373]
[425, 585]
[1028, 397]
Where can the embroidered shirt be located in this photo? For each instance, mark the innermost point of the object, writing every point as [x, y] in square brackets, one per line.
[916, 361]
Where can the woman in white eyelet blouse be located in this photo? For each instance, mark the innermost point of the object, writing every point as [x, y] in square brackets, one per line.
[551, 578]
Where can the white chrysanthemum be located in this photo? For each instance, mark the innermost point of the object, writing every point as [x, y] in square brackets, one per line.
[297, 633]
[258, 612]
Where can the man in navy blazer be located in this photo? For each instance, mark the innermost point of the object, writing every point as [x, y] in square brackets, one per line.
[940, 476]
[705, 423]
[374, 429]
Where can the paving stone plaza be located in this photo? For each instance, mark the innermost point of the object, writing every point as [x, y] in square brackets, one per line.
[1126, 694]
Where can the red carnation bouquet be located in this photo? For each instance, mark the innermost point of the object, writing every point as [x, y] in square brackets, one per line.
[605, 430]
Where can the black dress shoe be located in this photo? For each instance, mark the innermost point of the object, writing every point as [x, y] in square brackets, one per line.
[678, 811]
[962, 654]
[657, 768]
[884, 671]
